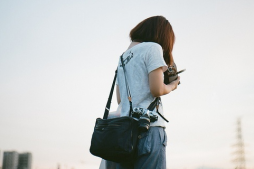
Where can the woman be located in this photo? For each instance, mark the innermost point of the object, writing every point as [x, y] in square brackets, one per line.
[145, 60]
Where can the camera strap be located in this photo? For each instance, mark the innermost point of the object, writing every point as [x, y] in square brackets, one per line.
[127, 86]
[151, 107]
[156, 104]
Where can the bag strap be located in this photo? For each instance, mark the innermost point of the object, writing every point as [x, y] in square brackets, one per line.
[107, 108]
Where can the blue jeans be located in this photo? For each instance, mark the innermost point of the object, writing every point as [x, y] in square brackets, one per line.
[151, 151]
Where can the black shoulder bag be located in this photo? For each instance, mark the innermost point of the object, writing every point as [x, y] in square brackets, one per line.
[116, 139]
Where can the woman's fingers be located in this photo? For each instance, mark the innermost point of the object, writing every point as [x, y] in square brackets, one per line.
[176, 82]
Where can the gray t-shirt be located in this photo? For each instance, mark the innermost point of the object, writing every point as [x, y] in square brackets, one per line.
[139, 61]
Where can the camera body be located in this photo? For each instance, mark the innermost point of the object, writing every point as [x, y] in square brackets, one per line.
[144, 117]
[170, 74]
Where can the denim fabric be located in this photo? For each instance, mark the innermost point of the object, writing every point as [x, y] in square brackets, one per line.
[151, 151]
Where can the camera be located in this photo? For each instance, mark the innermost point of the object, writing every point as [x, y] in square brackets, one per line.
[171, 74]
[144, 117]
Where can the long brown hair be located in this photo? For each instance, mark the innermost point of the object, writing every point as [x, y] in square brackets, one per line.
[156, 29]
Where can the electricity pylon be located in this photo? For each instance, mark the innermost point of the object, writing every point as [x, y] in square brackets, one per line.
[239, 153]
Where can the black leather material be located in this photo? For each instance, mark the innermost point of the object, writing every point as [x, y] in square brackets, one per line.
[115, 139]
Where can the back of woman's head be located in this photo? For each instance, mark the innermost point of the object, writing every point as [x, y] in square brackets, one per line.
[156, 29]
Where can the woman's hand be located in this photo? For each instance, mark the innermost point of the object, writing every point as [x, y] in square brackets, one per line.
[175, 83]
[156, 83]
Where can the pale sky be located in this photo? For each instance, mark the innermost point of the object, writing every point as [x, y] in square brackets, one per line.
[57, 62]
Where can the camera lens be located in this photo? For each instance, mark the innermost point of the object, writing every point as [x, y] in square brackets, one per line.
[153, 117]
[144, 123]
